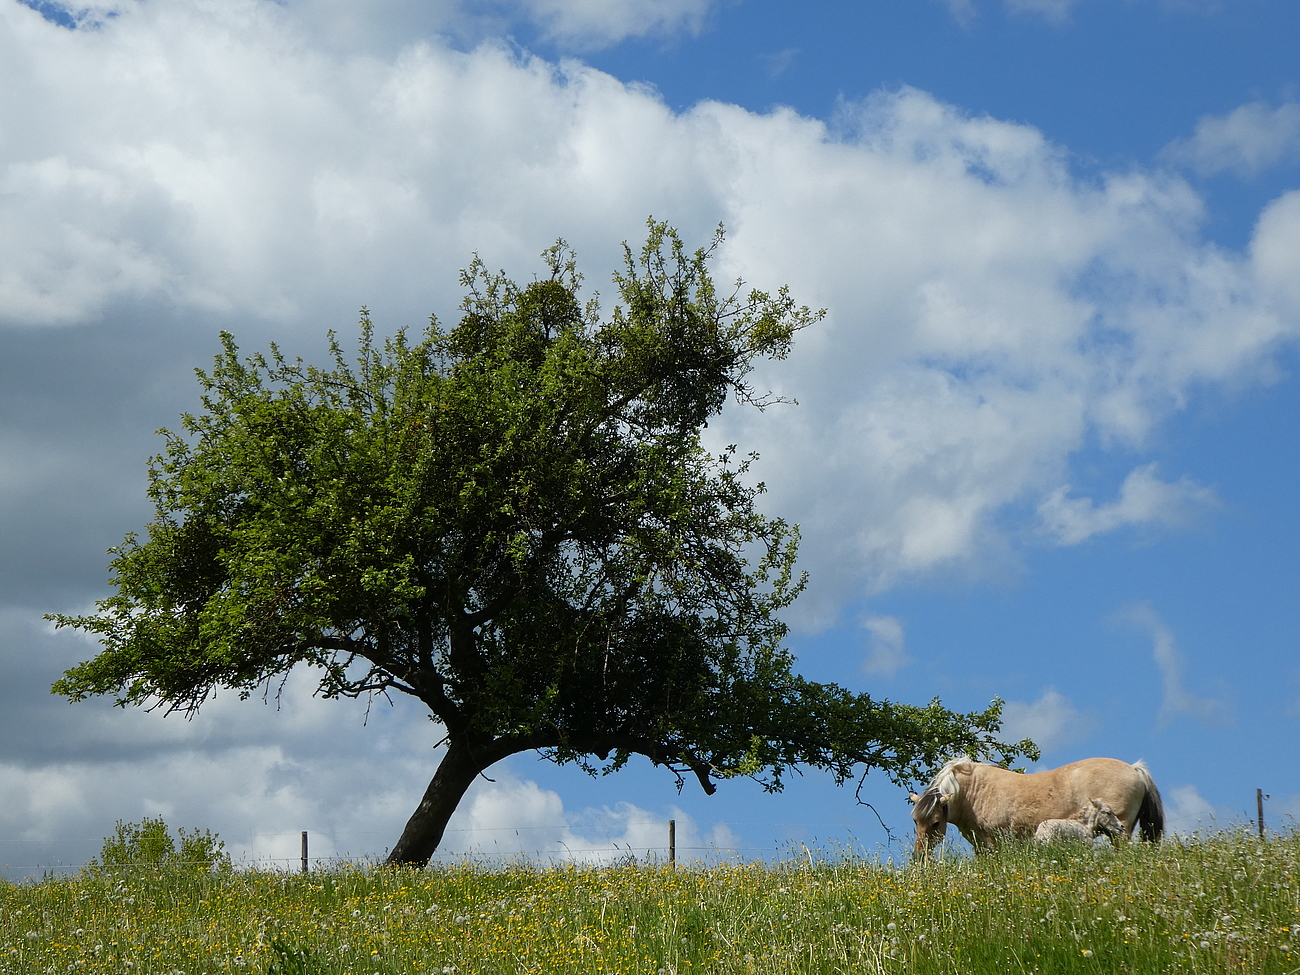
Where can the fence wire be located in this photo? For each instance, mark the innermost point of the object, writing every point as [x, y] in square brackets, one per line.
[555, 853]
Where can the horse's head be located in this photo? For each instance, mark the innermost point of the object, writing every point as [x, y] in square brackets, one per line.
[1101, 819]
[930, 813]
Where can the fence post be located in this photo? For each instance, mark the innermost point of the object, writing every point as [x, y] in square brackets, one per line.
[1259, 806]
[304, 851]
[672, 842]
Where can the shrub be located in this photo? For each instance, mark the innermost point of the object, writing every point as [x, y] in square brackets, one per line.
[149, 844]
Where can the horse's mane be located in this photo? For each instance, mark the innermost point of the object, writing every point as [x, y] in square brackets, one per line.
[945, 780]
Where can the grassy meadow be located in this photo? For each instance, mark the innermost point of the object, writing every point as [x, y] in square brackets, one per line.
[1228, 903]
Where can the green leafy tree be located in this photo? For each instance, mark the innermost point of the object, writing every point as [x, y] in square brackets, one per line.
[515, 522]
[150, 844]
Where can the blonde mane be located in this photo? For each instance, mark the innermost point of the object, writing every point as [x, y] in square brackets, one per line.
[945, 780]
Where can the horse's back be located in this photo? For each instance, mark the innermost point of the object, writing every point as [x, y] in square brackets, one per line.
[1004, 801]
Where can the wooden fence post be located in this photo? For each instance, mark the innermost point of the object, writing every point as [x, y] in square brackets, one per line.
[1259, 806]
[304, 851]
[672, 842]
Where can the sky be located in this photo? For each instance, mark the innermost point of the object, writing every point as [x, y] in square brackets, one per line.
[1045, 442]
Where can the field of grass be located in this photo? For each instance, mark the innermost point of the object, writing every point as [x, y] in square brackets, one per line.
[1225, 904]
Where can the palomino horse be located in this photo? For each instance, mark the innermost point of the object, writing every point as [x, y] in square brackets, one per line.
[988, 803]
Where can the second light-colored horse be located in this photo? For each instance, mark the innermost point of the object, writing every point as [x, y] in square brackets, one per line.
[989, 804]
[1098, 820]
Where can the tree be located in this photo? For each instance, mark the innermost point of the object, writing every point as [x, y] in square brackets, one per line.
[149, 844]
[513, 521]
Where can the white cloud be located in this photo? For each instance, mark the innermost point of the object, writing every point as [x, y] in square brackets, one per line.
[600, 23]
[1187, 813]
[886, 653]
[1052, 721]
[242, 164]
[1178, 700]
[779, 62]
[1053, 10]
[260, 773]
[1058, 11]
[384, 26]
[1246, 141]
[990, 314]
[1282, 813]
[963, 11]
[1273, 252]
[512, 817]
[1143, 499]
[256, 773]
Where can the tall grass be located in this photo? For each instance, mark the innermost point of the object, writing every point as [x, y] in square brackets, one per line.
[1228, 903]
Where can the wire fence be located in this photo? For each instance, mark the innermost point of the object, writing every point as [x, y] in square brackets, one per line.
[558, 851]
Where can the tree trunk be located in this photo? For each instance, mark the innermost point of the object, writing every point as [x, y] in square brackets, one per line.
[424, 829]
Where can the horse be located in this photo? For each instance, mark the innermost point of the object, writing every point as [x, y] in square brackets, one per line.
[1098, 820]
[989, 804]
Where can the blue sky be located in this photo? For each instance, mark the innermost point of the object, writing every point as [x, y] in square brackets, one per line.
[1046, 442]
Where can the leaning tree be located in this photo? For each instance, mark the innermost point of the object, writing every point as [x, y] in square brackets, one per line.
[514, 521]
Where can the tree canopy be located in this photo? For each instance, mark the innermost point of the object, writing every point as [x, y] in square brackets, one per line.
[513, 520]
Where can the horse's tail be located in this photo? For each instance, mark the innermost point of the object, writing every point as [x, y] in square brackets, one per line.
[1151, 814]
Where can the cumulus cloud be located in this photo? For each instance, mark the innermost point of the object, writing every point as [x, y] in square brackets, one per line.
[1143, 499]
[348, 772]
[1188, 813]
[1273, 249]
[1246, 141]
[1178, 701]
[779, 62]
[599, 23]
[1058, 11]
[518, 818]
[963, 11]
[1053, 722]
[262, 797]
[886, 652]
[191, 166]
[1052, 10]
[256, 781]
[1286, 811]
[989, 312]
[386, 25]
